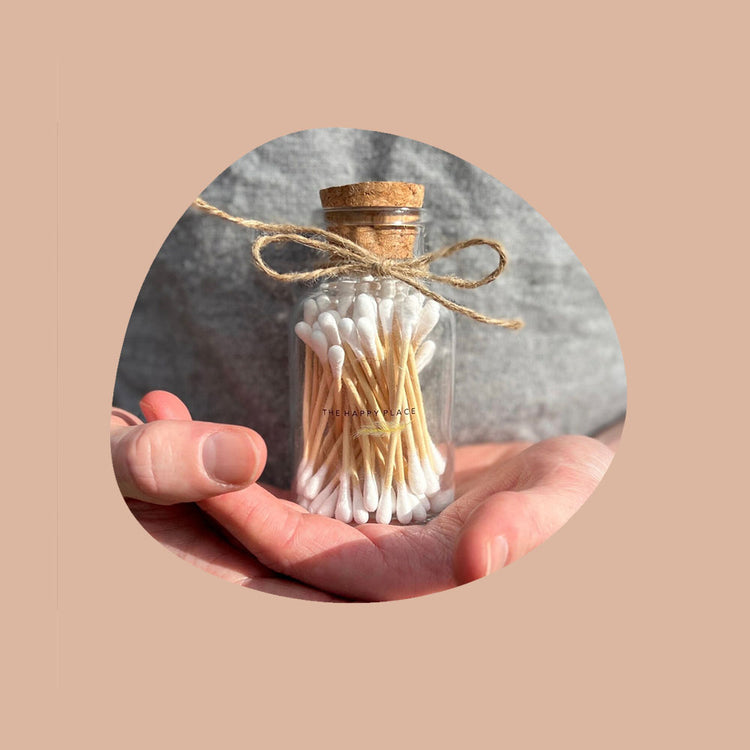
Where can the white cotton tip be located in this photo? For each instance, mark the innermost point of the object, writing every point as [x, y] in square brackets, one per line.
[330, 328]
[387, 288]
[304, 332]
[318, 500]
[365, 307]
[370, 494]
[424, 355]
[442, 500]
[336, 357]
[432, 480]
[407, 314]
[310, 311]
[324, 303]
[346, 326]
[438, 458]
[424, 501]
[313, 486]
[384, 513]
[304, 472]
[385, 315]
[415, 475]
[345, 305]
[405, 504]
[359, 512]
[303, 502]
[350, 335]
[344, 510]
[428, 318]
[319, 344]
[419, 514]
[368, 336]
[328, 507]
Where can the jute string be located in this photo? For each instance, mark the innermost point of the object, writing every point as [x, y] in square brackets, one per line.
[347, 258]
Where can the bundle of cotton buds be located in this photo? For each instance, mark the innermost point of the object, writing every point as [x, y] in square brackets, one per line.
[366, 451]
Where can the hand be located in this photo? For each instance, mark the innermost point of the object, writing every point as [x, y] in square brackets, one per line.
[163, 466]
[510, 498]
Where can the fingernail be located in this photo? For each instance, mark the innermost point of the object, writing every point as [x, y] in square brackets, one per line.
[497, 554]
[148, 411]
[229, 457]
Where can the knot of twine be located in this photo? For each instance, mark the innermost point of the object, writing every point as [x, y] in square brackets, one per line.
[348, 257]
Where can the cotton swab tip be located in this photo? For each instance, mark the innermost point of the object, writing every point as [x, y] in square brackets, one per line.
[428, 318]
[431, 478]
[319, 344]
[350, 336]
[310, 311]
[425, 353]
[408, 314]
[320, 499]
[385, 314]
[405, 502]
[365, 306]
[359, 512]
[438, 458]
[368, 336]
[344, 511]
[314, 484]
[417, 481]
[304, 332]
[419, 514]
[441, 501]
[370, 498]
[330, 328]
[384, 513]
[336, 357]
[387, 288]
[329, 506]
[304, 472]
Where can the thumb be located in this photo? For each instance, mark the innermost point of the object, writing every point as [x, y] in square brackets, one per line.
[508, 525]
[484, 543]
[175, 461]
[554, 478]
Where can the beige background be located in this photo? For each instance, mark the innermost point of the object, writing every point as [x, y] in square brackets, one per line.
[628, 628]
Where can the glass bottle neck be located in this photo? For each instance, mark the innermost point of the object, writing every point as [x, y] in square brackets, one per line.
[391, 232]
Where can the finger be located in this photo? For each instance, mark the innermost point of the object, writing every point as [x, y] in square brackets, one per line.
[184, 528]
[163, 405]
[122, 418]
[171, 461]
[555, 478]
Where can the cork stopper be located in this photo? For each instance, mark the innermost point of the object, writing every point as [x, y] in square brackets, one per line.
[381, 216]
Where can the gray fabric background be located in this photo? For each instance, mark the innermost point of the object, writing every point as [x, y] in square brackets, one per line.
[213, 330]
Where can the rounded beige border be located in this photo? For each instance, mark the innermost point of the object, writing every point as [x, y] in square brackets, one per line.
[623, 127]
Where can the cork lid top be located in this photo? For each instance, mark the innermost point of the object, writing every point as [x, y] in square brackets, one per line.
[360, 212]
[366, 194]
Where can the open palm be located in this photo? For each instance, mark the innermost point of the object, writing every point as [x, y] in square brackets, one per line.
[510, 498]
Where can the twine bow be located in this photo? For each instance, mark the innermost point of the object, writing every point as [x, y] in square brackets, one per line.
[348, 257]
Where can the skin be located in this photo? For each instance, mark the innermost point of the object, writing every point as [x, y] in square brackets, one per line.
[510, 498]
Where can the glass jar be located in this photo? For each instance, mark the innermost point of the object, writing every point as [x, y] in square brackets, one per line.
[372, 384]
